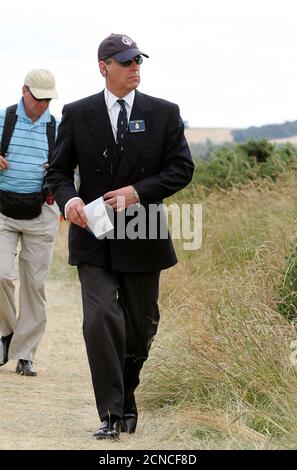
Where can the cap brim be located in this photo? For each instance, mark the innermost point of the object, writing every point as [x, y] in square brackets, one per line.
[43, 94]
[127, 55]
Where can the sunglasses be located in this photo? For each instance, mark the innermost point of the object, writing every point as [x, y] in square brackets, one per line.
[47, 100]
[138, 60]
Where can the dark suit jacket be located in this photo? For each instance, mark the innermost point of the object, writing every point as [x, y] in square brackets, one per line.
[157, 162]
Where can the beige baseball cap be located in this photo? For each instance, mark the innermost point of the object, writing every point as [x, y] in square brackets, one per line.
[41, 83]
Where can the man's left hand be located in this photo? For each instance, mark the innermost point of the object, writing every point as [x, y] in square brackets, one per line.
[121, 198]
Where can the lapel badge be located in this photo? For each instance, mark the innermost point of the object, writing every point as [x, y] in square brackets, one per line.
[137, 126]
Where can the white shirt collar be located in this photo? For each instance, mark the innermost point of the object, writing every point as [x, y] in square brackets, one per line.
[111, 99]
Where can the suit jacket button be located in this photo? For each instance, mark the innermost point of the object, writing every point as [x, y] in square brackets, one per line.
[98, 170]
[141, 170]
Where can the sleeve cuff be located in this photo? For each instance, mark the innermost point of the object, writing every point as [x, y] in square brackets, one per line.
[67, 203]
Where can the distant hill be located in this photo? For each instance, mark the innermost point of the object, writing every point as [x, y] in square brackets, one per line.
[277, 133]
[269, 132]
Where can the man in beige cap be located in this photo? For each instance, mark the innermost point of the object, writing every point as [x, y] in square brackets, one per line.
[29, 215]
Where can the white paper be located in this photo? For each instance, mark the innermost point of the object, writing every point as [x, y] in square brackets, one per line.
[98, 220]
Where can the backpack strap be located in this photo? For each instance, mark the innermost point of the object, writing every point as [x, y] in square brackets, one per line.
[9, 125]
[8, 128]
[51, 137]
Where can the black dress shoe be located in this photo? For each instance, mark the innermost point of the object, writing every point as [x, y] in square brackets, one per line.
[129, 422]
[25, 367]
[109, 429]
[4, 347]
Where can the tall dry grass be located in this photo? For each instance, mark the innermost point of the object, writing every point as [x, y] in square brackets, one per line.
[221, 364]
[219, 375]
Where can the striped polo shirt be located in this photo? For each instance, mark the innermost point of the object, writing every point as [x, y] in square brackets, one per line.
[27, 153]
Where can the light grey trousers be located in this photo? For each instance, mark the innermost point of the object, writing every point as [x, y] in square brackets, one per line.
[36, 237]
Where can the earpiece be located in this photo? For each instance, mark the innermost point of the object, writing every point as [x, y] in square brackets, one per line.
[105, 72]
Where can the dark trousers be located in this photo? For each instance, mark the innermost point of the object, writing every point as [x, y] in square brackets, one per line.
[120, 319]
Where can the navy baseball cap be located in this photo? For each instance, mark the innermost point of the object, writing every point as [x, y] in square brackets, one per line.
[118, 47]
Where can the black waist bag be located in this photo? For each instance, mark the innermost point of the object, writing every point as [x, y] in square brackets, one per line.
[21, 206]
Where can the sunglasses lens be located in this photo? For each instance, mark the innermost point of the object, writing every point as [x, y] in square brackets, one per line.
[138, 60]
[127, 63]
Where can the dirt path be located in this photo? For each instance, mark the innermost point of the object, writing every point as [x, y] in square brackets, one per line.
[56, 409]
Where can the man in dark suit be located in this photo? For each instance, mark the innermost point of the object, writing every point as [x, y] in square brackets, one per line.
[130, 148]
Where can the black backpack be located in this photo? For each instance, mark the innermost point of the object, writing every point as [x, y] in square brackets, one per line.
[9, 125]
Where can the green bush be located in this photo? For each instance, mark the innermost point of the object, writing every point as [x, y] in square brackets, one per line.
[257, 150]
[227, 167]
[238, 164]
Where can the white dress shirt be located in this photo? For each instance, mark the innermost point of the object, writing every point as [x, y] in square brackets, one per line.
[113, 107]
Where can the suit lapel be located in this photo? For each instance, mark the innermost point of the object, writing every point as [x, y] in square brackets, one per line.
[98, 122]
[134, 142]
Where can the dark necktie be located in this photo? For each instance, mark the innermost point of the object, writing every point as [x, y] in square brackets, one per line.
[122, 126]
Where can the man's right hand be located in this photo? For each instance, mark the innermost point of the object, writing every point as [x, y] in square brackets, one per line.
[3, 163]
[75, 213]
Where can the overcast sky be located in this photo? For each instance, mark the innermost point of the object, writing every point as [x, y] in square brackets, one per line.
[227, 63]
